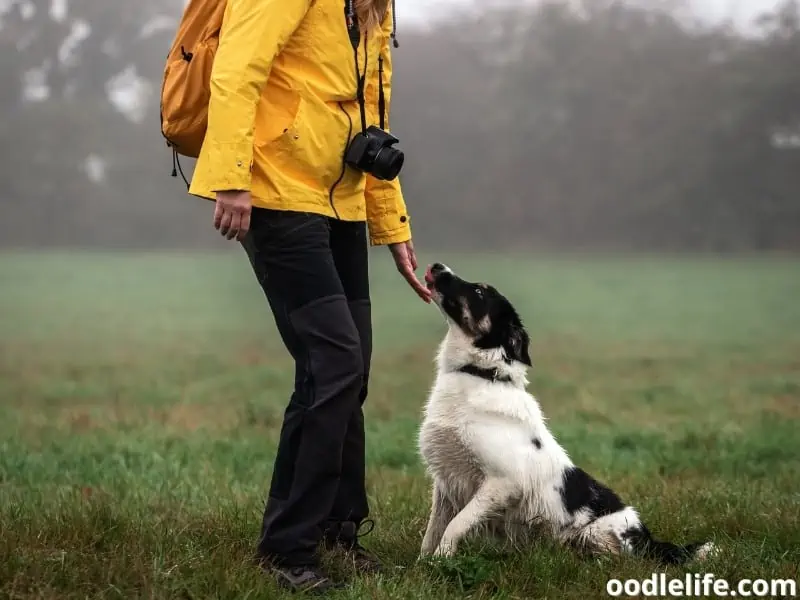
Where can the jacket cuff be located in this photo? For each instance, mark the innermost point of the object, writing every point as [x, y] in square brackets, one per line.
[392, 236]
[229, 166]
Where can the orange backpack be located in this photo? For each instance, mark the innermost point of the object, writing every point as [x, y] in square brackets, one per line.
[185, 90]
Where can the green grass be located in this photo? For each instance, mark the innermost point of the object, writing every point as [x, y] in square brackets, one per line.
[141, 397]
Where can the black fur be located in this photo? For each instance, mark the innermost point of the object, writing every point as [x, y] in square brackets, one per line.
[663, 552]
[505, 328]
[508, 333]
[580, 490]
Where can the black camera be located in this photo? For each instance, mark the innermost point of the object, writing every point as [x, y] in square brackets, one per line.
[371, 152]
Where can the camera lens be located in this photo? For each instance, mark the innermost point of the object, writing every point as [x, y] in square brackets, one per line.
[388, 163]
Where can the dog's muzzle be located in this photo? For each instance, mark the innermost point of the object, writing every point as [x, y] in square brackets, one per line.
[433, 272]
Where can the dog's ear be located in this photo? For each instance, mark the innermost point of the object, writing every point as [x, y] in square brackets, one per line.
[516, 344]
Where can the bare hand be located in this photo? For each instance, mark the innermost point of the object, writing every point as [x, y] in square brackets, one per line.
[406, 261]
[232, 214]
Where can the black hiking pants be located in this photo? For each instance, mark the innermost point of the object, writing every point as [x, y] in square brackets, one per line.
[314, 273]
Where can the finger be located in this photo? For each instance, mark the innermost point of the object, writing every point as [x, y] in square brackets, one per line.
[218, 211]
[225, 223]
[245, 225]
[412, 255]
[236, 220]
[421, 290]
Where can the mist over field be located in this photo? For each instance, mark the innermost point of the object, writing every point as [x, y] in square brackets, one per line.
[596, 125]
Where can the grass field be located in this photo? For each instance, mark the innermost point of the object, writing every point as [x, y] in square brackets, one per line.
[141, 397]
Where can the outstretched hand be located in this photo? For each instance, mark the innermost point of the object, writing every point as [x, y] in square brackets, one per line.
[406, 261]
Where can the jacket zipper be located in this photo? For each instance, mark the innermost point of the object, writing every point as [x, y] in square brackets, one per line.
[344, 164]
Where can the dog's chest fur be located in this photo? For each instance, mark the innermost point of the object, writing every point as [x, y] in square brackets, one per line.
[473, 429]
[450, 459]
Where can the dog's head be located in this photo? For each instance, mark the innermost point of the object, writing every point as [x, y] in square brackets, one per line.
[481, 312]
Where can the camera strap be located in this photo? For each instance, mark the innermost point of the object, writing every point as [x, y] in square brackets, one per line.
[381, 97]
[354, 33]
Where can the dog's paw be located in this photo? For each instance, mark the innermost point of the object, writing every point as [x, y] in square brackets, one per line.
[426, 550]
[707, 550]
[445, 550]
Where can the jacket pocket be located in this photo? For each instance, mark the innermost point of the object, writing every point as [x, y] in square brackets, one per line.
[296, 144]
[278, 111]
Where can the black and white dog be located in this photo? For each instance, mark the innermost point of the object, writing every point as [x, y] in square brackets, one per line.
[495, 465]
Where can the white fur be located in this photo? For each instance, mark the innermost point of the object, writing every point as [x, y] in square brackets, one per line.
[476, 441]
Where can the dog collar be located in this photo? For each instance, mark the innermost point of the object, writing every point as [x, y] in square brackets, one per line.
[492, 375]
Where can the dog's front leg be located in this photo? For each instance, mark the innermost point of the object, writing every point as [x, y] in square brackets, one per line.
[493, 494]
[441, 513]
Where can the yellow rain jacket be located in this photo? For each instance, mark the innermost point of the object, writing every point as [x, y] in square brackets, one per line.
[284, 107]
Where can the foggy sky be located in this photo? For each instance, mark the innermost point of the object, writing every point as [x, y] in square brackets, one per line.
[742, 12]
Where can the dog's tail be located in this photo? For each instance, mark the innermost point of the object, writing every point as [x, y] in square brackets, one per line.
[643, 544]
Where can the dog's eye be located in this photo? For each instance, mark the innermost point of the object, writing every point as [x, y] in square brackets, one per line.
[479, 291]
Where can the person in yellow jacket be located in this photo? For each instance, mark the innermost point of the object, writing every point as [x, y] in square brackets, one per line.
[284, 159]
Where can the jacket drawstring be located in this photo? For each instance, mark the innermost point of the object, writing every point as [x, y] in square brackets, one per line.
[176, 166]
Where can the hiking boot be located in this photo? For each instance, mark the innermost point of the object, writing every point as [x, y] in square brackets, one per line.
[308, 579]
[344, 536]
[364, 561]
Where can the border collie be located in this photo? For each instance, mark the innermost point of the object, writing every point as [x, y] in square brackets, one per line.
[495, 465]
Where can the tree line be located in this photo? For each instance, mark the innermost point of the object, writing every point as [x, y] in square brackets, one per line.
[560, 126]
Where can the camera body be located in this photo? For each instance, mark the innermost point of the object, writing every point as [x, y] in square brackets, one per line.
[372, 152]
